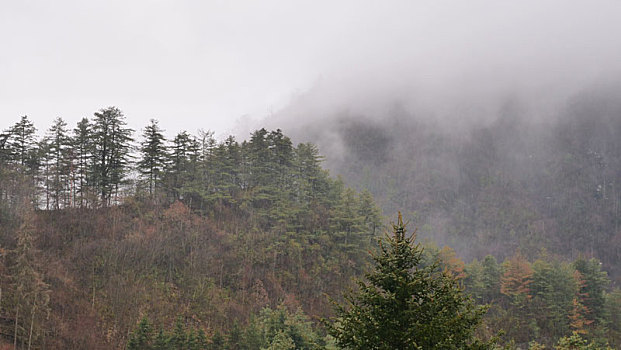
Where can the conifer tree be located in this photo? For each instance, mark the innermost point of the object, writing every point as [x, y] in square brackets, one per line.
[82, 146]
[153, 156]
[21, 155]
[178, 338]
[553, 289]
[140, 339]
[405, 306]
[161, 341]
[181, 162]
[490, 278]
[58, 143]
[591, 289]
[22, 141]
[111, 151]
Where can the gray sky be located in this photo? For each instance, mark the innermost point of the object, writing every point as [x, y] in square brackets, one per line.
[206, 64]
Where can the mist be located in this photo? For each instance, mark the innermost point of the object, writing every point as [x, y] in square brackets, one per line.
[492, 126]
[457, 62]
[216, 65]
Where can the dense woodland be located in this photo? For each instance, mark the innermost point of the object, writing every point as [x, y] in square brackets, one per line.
[495, 180]
[112, 240]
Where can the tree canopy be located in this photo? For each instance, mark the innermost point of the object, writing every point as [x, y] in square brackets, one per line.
[404, 305]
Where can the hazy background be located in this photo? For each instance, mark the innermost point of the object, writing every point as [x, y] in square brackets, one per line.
[227, 65]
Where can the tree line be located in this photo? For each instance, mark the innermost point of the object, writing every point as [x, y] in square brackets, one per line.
[229, 245]
[422, 297]
[111, 228]
[99, 162]
[515, 181]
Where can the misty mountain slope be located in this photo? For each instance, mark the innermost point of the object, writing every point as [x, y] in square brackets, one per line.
[523, 179]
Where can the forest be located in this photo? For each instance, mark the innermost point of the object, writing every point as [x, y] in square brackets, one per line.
[112, 240]
[510, 178]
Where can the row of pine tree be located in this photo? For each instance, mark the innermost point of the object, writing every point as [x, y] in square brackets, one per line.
[99, 162]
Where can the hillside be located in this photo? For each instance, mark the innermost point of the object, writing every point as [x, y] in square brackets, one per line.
[517, 177]
[229, 244]
[266, 226]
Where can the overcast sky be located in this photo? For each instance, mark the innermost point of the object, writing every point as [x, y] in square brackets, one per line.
[206, 64]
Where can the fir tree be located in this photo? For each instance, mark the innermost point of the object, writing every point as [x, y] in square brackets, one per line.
[111, 150]
[153, 156]
[58, 143]
[404, 306]
[22, 141]
[82, 146]
[140, 339]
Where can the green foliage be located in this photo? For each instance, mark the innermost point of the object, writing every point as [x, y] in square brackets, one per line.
[493, 187]
[141, 337]
[260, 223]
[153, 156]
[576, 342]
[613, 308]
[592, 290]
[111, 152]
[82, 147]
[20, 144]
[58, 165]
[280, 329]
[179, 338]
[553, 290]
[404, 306]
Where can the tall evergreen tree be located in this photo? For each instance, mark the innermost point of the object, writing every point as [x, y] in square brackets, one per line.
[153, 156]
[82, 146]
[591, 290]
[45, 175]
[181, 162]
[405, 306]
[111, 140]
[59, 143]
[21, 151]
[553, 290]
[22, 141]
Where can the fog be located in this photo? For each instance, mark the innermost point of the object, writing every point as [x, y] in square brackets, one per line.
[461, 61]
[230, 66]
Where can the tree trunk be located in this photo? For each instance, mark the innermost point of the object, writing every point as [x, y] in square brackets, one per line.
[34, 309]
[15, 335]
[93, 302]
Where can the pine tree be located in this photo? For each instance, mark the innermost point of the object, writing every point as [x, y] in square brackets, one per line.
[234, 338]
[576, 342]
[180, 165]
[404, 306]
[201, 340]
[310, 176]
[22, 141]
[553, 288]
[82, 146]
[490, 279]
[217, 342]
[161, 341]
[21, 155]
[178, 339]
[58, 143]
[153, 156]
[141, 338]
[592, 286]
[111, 151]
